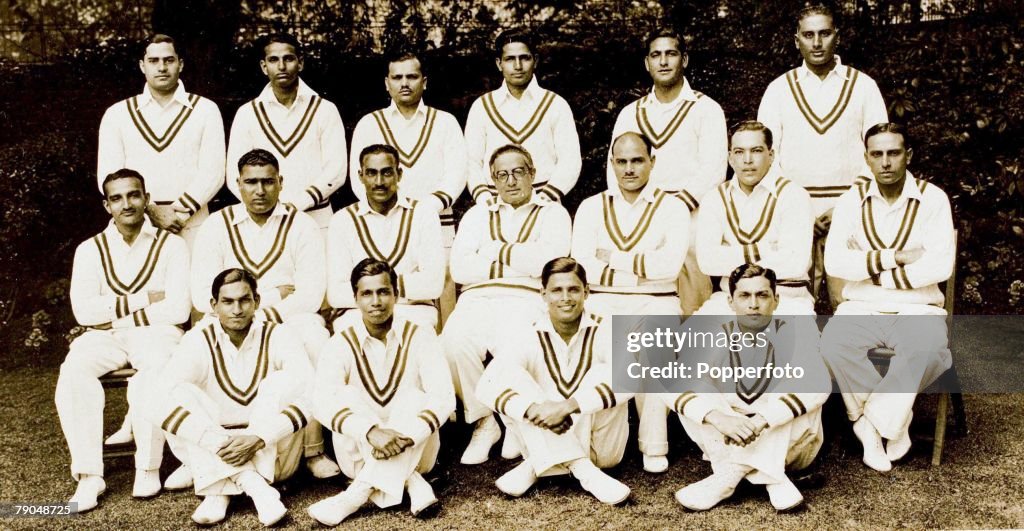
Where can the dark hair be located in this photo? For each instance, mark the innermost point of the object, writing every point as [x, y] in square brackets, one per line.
[888, 127]
[371, 267]
[123, 173]
[405, 54]
[258, 157]
[643, 138]
[230, 276]
[510, 36]
[282, 38]
[664, 32]
[815, 9]
[511, 148]
[159, 38]
[752, 125]
[379, 149]
[751, 271]
[562, 265]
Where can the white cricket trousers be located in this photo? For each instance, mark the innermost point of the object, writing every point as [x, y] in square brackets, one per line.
[472, 329]
[80, 399]
[922, 355]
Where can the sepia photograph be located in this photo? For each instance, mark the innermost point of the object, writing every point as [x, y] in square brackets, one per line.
[506, 264]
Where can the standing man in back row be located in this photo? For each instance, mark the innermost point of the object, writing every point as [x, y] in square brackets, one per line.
[174, 138]
[301, 128]
[522, 113]
[688, 134]
[818, 114]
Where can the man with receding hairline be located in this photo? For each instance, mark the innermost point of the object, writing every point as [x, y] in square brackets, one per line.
[174, 138]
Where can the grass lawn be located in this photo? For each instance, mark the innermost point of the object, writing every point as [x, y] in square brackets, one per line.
[979, 485]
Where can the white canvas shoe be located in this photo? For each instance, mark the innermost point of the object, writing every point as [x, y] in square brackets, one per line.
[655, 464]
[87, 494]
[604, 487]
[180, 479]
[212, 510]
[874, 454]
[517, 481]
[784, 495]
[147, 483]
[710, 491]
[421, 495]
[486, 433]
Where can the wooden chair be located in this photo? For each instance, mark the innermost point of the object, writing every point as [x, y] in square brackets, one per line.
[115, 380]
[948, 383]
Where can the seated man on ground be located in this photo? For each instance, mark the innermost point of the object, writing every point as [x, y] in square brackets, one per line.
[384, 389]
[760, 428]
[552, 381]
[233, 398]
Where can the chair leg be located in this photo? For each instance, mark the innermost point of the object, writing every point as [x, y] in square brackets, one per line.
[940, 428]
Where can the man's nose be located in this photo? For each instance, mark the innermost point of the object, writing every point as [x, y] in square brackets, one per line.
[817, 41]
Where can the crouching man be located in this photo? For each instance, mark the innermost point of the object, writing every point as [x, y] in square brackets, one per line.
[552, 384]
[384, 389]
[756, 428]
[233, 398]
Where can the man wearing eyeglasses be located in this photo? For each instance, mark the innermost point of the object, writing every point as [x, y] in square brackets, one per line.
[632, 240]
[498, 254]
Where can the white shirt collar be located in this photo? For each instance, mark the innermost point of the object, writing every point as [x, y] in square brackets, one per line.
[363, 207]
[148, 230]
[910, 189]
[180, 96]
[802, 71]
[393, 336]
[648, 194]
[242, 215]
[533, 91]
[497, 203]
[304, 93]
[768, 183]
[586, 320]
[421, 109]
[686, 94]
[255, 329]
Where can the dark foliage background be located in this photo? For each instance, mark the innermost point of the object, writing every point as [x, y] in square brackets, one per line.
[955, 82]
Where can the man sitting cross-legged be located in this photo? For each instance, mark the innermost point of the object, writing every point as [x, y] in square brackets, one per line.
[233, 396]
[552, 380]
[755, 428]
[383, 388]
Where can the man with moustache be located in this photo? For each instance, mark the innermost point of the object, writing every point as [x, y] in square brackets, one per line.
[499, 252]
[430, 146]
[302, 129]
[174, 138]
[688, 135]
[520, 112]
[818, 114]
[757, 217]
[129, 288]
[632, 240]
[390, 227]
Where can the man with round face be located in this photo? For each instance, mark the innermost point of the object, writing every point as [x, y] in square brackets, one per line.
[129, 288]
[758, 217]
[498, 254]
[233, 401]
[390, 226]
[688, 135]
[174, 138]
[892, 240]
[383, 389]
[632, 240]
[761, 427]
[300, 127]
[577, 425]
[818, 114]
[283, 247]
[521, 112]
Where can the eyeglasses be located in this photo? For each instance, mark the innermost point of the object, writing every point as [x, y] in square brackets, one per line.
[503, 176]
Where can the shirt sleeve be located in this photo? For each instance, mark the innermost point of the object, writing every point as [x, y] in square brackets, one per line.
[807, 394]
[595, 391]
[427, 281]
[333, 153]
[712, 155]
[555, 234]
[567, 151]
[874, 111]
[715, 256]
[291, 363]
[842, 259]
[164, 406]
[210, 177]
[468, 266]
[362, 136]
[340, 261]
[477, 173]
[89, 305]
[337, 402]
[585, 231]
[436, 382]
[309, 277]
[240, 142]
[111, 155]
[453, 178]
[792, 256]
[175, 307]
[769, 113]
[664, 261]
[937, 262]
